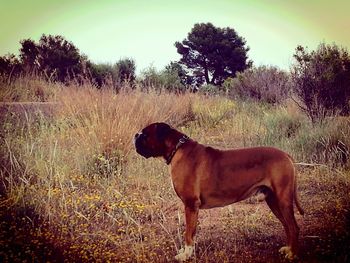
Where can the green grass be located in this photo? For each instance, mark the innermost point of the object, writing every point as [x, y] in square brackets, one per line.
[74, 188]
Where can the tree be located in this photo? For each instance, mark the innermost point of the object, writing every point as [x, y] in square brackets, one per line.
[29, 54]
[124, 71]
[99, 74]
[57, 55]
[321, 80]
[167, 79]
[173, 78]
[176, 69]
[9, 66]
[212, 54]
[54, 55]
[150, 79]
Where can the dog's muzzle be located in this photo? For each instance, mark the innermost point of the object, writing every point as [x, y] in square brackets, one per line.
[138, 142]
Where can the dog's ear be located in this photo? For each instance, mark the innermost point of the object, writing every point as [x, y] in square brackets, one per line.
[162, 129]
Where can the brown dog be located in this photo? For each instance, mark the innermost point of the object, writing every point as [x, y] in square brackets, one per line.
[204, 177]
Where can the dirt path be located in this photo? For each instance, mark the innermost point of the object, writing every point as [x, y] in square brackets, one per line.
[22, 108]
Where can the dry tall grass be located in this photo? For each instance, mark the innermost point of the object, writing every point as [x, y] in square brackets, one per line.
[74, 180]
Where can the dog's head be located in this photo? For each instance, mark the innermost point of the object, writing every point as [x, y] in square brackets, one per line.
[150, 142]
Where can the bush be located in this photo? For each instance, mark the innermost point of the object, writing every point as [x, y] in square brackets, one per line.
[281, 125]
[209, 89]
[167, 79]
[115, 76]
[100, 74]
[325, 143]
[267, 84]
[321, 81]
[9, 66]
[124, 71]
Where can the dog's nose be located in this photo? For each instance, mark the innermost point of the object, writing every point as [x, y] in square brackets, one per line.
[137, 135]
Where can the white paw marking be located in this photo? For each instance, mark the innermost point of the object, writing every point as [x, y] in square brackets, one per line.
[184, 253]
[287, 251]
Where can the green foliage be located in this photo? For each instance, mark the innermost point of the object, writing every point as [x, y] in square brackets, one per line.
[168, 79]
[178, 71]
[326, 143]
[212, 54]
[124, 71]
[266, 84]
[150, 78]
[209, 89]
[114, 76]
[282, 128]
[59, 58]
[100, 74]
[54, 56]
[213, 115]
[9, 66]
[29, 55]
[322, 80]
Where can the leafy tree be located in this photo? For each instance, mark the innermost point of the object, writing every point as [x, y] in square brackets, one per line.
[59, 58]
[114, 76]
[322, 80]
[124, 71]
[100, 74]
[173, 78]
[150, 78]
[212, 54]
[9, 66]
[29, 54]
[167, 79]
[176, 69]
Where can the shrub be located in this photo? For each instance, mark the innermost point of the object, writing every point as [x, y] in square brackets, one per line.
[321, 81]
[267, 84]
[9, 66]
[100, 74]
[325, 143]
[167, 79]
[281, 125]
[124, 71]
[209, 89]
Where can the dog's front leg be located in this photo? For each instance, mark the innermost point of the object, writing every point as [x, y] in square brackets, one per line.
[191, 213]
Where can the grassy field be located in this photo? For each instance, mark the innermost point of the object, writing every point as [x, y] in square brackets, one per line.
[73, 189]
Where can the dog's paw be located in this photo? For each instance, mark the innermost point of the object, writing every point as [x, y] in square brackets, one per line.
[288, 253]
[184, 253]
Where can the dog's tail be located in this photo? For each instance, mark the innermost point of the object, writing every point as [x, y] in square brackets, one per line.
[296, 198]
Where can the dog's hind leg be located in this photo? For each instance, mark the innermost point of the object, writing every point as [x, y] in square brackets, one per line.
[288, 215]
[272, 202]
[284, 200]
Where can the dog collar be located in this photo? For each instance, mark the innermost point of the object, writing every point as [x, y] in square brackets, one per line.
[182, 140]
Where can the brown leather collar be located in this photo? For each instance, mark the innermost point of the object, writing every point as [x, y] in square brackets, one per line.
[181, 141]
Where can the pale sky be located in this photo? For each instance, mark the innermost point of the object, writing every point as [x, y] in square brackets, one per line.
[146, 31]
